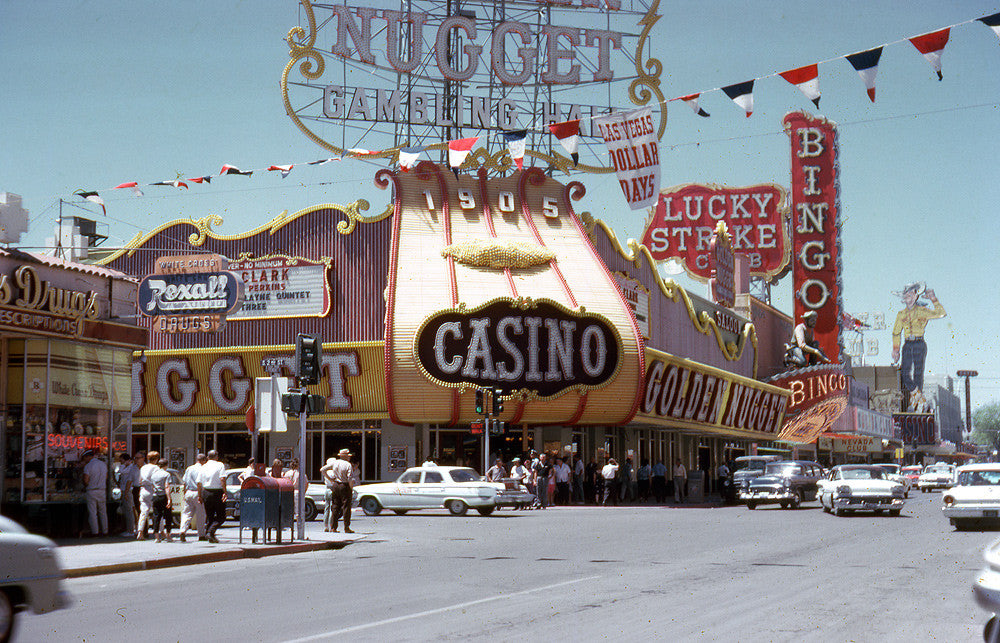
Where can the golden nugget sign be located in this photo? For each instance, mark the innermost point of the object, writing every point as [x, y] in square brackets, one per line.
[543, 347]
[685, 392]
[28, 302]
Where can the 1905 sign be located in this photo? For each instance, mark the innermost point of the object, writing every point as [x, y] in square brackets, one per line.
[539, 346]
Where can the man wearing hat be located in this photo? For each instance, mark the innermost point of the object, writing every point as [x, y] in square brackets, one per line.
[804, 349]
[337, 475]
[95, 478]
[908, 335]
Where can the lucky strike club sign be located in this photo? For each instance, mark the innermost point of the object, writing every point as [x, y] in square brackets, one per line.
[546, 349]
[815, 205]
[682, 224]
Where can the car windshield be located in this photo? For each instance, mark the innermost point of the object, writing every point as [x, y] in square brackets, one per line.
[464, 475]
[782, 469]
[861, 474]
[889, 468]
[911, 470]
[979, 478]
[755, 465]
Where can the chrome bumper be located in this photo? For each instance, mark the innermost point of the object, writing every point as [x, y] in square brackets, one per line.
[958, 511]
[766, 496]
[866, 504]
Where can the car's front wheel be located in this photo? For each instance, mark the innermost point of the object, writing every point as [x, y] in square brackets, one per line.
[751, 504]
[457, 507]
[371, 506]
[399, 512]
[795, 500]
[8, 617]
[310, 510]
[485, 511]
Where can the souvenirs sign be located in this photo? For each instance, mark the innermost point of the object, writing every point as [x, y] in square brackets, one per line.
[634, 150]
[190, 294]
[816, 233]
[280, 286]
[685, 218]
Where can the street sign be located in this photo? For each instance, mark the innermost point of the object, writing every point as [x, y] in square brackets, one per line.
[267, 402]
[272, 364]
[476, 427]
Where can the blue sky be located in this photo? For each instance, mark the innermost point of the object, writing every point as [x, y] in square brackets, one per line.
[99, 93]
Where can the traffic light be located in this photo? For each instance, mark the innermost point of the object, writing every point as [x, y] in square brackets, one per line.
[497, 403]
[497, 427]
[308, 358]
[480, 407]
[315, 404]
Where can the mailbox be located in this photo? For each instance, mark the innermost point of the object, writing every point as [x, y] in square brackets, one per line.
[266, 503]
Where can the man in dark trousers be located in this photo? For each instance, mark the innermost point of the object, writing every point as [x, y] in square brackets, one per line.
[212, 493]
[338, 473]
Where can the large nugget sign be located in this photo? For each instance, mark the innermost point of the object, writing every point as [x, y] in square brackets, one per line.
[496, 283]
[685, 217]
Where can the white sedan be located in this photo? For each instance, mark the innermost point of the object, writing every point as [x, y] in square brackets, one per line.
[453, 488]
[30, 576]
[860, 487]
[936, 476]
[975, 497]
[894, 472]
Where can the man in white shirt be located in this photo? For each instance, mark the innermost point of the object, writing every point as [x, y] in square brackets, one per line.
[212, 493]
[680, 481]
[146, 495]
[95, 479]
[338, 474]
[192, 508]
[496, 472]
[610, 475]
[125, 480]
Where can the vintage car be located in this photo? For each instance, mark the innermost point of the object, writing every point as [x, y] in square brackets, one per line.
[860, 487]
[30, 576]
[936, 476]
[912, 473]
[748, 467]
[975, 498]
[315, 496]
[512, 493]
[785, 482]
[986, 590]
[895, 473]
[453, 488]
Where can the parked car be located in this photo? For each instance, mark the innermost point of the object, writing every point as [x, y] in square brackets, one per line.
[975, 497]
[30, 576]
[912, 473]
[895, 473]
[986, 590]
[453, 488]
[748, 467]
[936, 476]
[860, 487]
[315, 496]
[785, 482]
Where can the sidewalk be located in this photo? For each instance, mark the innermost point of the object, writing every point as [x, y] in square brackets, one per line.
[113, 555]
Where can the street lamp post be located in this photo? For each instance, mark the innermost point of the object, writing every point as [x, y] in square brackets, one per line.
[968, 404]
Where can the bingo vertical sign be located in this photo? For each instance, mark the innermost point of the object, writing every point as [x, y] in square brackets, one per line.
[632, 144]
[815, 233]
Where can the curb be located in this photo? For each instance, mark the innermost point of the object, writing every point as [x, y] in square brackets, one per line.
[199, 559]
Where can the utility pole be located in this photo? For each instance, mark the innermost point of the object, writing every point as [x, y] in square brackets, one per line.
[968, 402]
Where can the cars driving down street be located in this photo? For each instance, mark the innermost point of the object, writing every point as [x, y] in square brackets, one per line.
[453, 488]
[860, 487]
[975, 497]
[788, 483]
[30, 577]
[895, 473]
[936, 476]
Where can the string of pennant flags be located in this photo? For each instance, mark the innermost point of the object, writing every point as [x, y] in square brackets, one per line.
[806, 78]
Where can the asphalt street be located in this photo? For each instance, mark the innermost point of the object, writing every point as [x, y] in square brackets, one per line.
[568, 573]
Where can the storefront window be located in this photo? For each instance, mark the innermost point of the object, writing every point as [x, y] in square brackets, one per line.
[64, 398]
[147, 437]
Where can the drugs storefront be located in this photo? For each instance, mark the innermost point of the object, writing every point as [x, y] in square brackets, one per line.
[67, 335]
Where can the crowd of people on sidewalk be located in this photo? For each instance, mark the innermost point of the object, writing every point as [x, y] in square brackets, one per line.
[556, 479]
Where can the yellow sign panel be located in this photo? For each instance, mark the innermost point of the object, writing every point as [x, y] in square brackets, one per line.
[219, 382]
